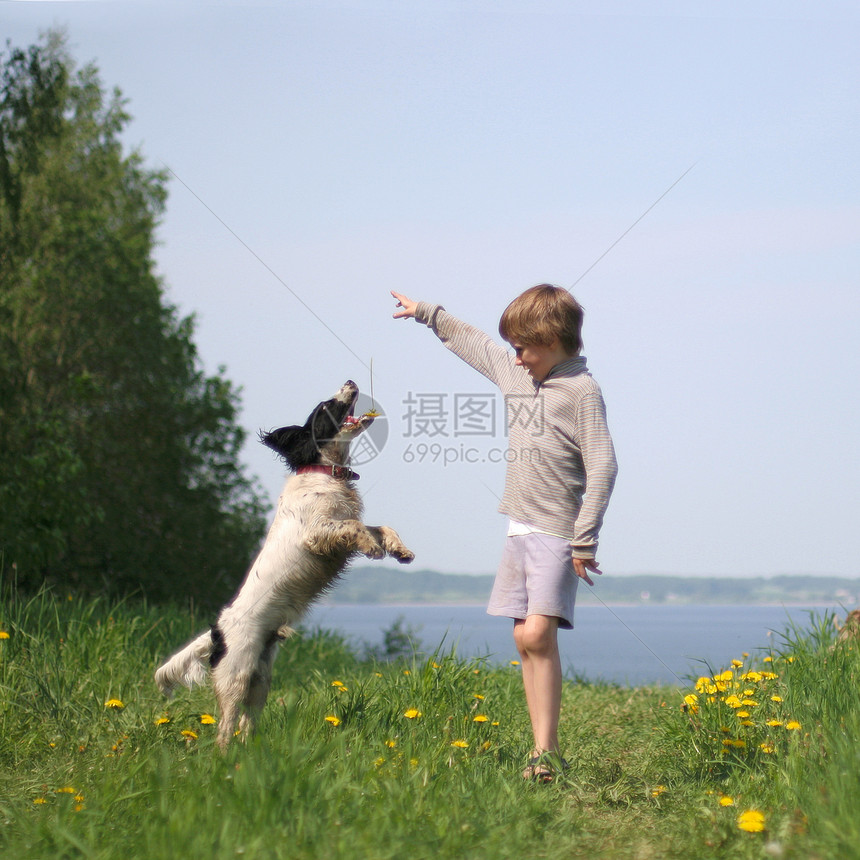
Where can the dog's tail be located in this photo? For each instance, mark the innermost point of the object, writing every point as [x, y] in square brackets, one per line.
[187, 667]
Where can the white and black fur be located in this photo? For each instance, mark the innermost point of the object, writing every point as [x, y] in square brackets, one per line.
[316, 530]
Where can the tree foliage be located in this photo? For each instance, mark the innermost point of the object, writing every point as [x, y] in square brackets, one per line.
[119, 457]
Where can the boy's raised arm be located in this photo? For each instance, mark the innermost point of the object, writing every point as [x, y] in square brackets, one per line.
[471, 344]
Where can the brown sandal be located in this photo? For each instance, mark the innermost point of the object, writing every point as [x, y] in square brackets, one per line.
[543, 768]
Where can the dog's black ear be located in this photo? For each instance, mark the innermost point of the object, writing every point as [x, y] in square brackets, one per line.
[295, 444]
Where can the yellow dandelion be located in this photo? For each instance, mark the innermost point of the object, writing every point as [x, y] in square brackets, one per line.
[749, 703]
[725, 800]
[187, 733]
[690, 703]
[207, 720]
[391, 744]
[337, 683]
[4, 634]
[161, 721]
[494, 723]
[435, 665]
[379, 762]
[733, 701]
[747, 723]
[658, 790]
[515, 662]
[776, 699]
[412, 714]
[768, 659]
[331, 718]
[789, 659]
[774, 723]
[769, 676]
[737, 663]
[766, 748]
[478, 696]
[486, 745]
[752, 821]
[460, 744]
[67, 790]
[792, 725]
[407, 672]
[39, 800]
[742, 714]
[114, 703]
[480, 718]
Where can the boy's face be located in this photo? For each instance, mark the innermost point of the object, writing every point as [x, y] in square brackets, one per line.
[539, 360]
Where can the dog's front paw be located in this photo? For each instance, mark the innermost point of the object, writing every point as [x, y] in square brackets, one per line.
[403, 555]
[394, 546]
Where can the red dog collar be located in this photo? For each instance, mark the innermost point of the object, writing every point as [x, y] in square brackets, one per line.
[342, 473]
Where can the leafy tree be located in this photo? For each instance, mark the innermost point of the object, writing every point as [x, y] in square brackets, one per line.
[119, 460]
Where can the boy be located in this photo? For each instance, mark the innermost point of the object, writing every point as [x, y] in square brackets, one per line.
[560, 474]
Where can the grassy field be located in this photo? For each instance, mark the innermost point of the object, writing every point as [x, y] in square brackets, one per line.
[417, 759]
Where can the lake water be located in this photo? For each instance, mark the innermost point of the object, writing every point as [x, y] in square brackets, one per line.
[631, 645]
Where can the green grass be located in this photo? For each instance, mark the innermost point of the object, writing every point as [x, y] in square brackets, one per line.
[648, 778]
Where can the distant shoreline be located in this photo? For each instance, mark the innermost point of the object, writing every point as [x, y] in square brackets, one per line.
[471, 604]
[397, 587]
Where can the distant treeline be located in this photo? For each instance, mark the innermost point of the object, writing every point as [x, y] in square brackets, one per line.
[388, 585]
[120, 467]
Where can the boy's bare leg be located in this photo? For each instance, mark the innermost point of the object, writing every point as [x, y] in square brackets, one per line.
[536, 639]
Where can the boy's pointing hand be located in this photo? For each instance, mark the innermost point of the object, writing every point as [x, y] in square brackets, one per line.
[407, 305]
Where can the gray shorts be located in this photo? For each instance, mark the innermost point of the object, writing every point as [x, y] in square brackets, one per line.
[535, 577]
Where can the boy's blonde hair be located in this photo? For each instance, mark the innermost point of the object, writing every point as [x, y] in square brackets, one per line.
[540, 315]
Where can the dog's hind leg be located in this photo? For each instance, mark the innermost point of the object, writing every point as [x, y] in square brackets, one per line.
[231, 679]
[258, 691]
[230, 692]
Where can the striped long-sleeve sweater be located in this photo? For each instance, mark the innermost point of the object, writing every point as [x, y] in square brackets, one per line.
[561, 463]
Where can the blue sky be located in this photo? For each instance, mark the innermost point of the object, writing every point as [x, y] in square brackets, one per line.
[460, 152]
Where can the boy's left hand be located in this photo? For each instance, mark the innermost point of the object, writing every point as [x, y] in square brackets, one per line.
[581, 566]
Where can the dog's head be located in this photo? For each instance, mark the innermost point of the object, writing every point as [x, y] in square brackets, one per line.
[324, 439]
